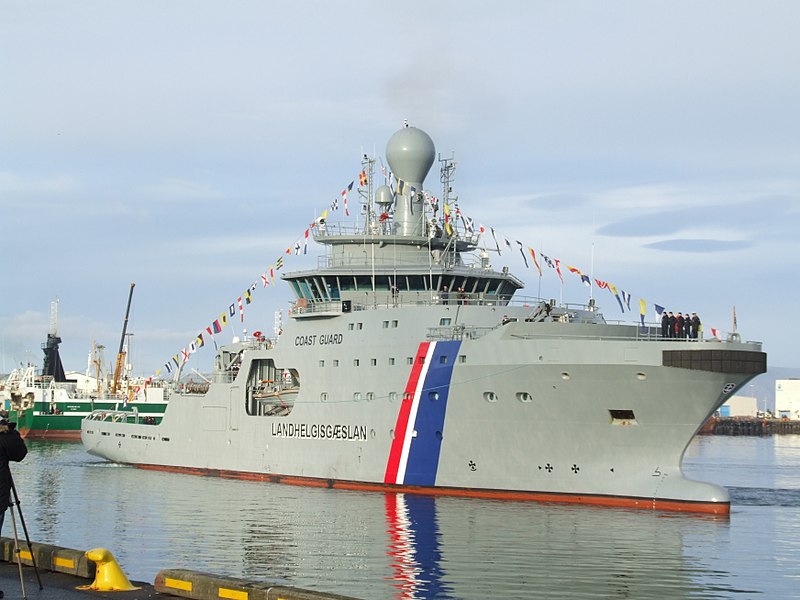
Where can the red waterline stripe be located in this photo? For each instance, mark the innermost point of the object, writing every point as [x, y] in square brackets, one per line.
[688, 506]
[401, 427]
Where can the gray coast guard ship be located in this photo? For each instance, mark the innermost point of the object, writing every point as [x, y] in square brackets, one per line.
[408, 364]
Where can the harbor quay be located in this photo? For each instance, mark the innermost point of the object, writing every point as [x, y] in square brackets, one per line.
[68, 574]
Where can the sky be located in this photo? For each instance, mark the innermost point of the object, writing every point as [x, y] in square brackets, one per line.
[184, 146]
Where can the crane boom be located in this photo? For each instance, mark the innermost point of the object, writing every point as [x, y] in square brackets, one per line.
[121, 353]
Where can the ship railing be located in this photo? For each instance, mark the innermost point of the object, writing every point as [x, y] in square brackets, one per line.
[457, 332]
[354, 301]
[121, 416]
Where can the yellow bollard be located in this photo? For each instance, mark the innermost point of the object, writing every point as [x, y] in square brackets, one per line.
[109, 576]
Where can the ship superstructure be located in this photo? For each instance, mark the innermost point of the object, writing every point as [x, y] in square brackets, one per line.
[409, 363]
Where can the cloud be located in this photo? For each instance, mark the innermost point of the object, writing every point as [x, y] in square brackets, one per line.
[698, 246]
[175, 188]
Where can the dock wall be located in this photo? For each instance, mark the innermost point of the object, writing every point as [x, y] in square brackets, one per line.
[174, 582]
[749, 426]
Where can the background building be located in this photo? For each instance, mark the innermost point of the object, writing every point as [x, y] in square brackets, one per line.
[787, 398]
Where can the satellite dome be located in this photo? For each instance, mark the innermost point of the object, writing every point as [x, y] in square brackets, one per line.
[410, 153]
[383, 196]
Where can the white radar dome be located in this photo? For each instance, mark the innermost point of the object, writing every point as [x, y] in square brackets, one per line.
[410, 153]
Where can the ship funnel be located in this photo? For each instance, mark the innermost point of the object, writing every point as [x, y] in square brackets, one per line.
[410, 153]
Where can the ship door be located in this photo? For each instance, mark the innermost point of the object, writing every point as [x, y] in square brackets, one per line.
[234, 408]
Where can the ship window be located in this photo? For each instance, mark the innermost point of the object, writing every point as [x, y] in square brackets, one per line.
[356, 362]
[351, 326]
[490, 396]
[433, 396]
[444, 359]
[391, 360]
[444, 321]
[422, 360]
[392, 396]
[373, 362]
[410, 360]
[322, 363]
[357, 396]
[394, 323]
[323, 397]
[462, 358]
[524, 397]
[386, 324]
[360, 326]
[370, 396]
[335, 362]
[408, 396]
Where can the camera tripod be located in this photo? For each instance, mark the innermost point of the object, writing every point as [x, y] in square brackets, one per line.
[15, 501]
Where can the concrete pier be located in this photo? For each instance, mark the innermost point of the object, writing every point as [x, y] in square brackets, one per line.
[62, 570]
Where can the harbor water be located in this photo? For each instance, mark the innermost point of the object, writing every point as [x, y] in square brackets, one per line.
[372, 545]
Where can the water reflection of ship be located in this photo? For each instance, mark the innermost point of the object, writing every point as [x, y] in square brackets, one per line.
[449, 548]
[414, 547]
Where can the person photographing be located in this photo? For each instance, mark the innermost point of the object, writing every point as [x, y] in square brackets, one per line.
[12, 447]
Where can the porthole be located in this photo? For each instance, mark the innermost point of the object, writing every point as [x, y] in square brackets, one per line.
[641, 376]
[392, 396]
[524, 397]
[433, 396]
[565, 376]
[370, 396]
[357, 396]
[490, 396]
[323, 397]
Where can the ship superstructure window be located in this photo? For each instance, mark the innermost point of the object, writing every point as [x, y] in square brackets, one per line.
[394, 323]
[360, 326]
[433, 396]
[335, 362]
[408, 396]
[373, 362]
[370, 396]
[490, 396]
[392, 396]
[351, 326]
[386, 324]
[356, 362]
[321, 363]
[410, 360]
[462, 358]
[444, 359]
[444, 321]
[524, 397]
[323, 397]
[391, 360]
[357, 396]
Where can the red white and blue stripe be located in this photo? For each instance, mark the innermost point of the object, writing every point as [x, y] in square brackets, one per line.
[418, 433]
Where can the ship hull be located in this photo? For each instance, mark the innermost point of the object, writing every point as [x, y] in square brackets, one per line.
[550, 412]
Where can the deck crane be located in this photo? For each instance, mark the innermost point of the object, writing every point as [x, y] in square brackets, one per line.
[121, 353]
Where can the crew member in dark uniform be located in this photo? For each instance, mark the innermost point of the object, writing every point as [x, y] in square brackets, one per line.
[671, 325]
[664, 325]
[695, 326]
[679, 325]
